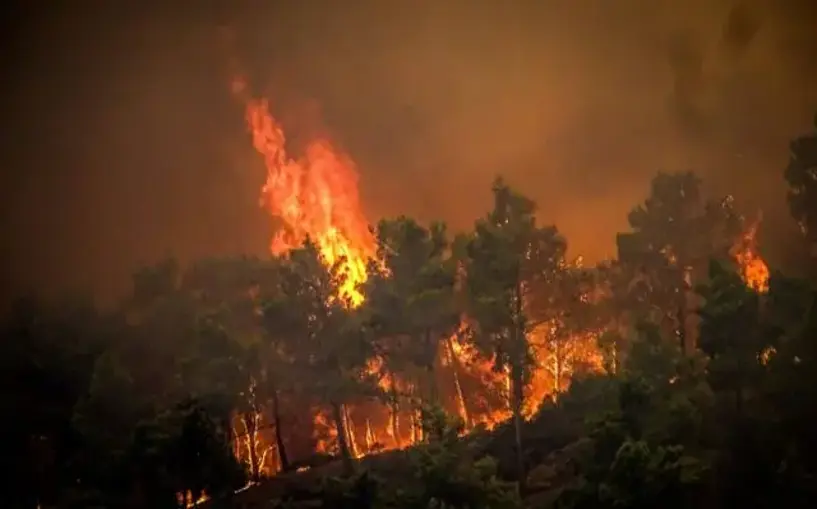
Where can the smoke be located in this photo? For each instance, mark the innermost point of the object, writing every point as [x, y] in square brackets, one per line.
[741, 27]
[577, 104]
[130, 147]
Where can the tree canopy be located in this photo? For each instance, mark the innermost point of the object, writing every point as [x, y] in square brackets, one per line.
[484, 369]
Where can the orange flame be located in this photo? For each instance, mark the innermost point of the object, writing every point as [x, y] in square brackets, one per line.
[314, 196]
[753, 269]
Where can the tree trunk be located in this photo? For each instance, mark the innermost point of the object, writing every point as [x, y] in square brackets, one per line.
[432, 397]
[616, 351]
[395, 411]
[369, 437]
[350, 431]
[279, 435]
[251, 430]
[457, 367]
[343, 444]
[557, 372]
[517, 398]
[433, 392]
[416, 424]
[517, 381]
[466, 418]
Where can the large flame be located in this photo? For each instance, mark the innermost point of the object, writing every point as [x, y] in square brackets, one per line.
[314, 196]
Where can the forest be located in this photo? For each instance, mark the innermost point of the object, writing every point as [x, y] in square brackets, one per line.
[478, 369]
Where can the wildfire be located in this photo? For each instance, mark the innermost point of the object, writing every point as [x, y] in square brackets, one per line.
[753, 269]
[314, 196]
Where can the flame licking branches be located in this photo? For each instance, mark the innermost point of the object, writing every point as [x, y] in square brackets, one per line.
[753, 269]
[314, 196]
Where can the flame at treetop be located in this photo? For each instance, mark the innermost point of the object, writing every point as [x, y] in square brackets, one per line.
[314, 196]
[753, 268]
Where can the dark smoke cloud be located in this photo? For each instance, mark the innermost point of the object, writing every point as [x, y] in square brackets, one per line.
[124, 145]
[741, 27]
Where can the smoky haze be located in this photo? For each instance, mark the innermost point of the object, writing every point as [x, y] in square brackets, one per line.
[123, 144]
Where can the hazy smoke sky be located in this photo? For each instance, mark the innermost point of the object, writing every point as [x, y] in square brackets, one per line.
[123, 144]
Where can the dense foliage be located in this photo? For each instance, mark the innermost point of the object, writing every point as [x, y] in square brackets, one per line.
[703, 394]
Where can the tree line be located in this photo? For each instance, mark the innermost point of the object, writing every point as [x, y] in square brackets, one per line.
[699, 388]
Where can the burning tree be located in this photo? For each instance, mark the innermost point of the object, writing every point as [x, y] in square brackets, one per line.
[730, 332]
[534, 316]
[509, 258]
[322, 333]
[314, 196]
[570, 322]
[411, 304]
[675, 232]
[231, 292]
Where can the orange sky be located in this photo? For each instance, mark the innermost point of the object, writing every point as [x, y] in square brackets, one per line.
[125, 145]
